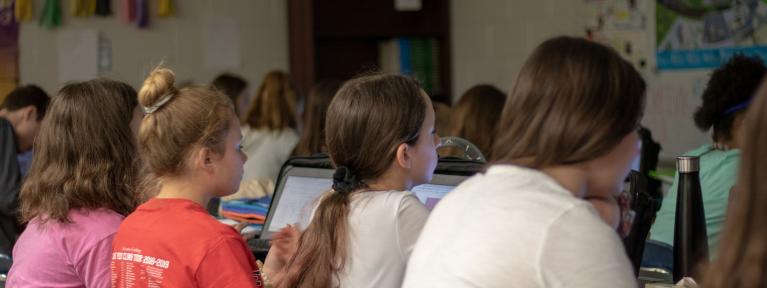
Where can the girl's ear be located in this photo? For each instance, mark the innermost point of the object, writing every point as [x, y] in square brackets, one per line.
[202, 159]
[403, 157]
[29, 113]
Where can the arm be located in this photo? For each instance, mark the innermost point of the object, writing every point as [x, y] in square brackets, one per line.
[284, 246]
[607, 208]
[615, 211]
[581, 251]
[94, 267]
[411, 217]
[10, 177]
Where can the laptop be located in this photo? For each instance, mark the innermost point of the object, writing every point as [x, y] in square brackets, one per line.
[294, 197]
[441, 184]
[299, 188]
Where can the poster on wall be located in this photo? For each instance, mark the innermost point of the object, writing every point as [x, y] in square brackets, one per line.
[620, 24]
[694, 34]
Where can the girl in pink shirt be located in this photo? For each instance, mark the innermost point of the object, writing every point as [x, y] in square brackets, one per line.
[81, 184]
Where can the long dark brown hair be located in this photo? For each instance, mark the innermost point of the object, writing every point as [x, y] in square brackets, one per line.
[313, 137]
[573, 101]
[742, 257]
[366, 122]
[85, 153]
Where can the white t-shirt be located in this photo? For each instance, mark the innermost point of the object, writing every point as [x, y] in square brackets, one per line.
[517, 227]
[383, 229]
[267, 151]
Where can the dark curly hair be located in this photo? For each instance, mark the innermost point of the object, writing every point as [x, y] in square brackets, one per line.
[730, 85]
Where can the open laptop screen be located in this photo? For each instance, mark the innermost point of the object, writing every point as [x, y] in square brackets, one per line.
[297, 196]
[430, 194]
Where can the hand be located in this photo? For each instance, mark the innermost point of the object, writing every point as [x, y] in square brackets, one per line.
[239, 227]
[615, 211]
[284, 246]
[627, 215]
[608, 209]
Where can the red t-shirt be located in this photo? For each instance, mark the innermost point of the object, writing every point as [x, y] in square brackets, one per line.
[176, 243]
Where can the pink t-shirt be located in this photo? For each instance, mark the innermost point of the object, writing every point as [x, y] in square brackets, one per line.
[59, 254]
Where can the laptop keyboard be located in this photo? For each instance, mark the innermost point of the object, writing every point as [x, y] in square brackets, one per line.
[259, 244]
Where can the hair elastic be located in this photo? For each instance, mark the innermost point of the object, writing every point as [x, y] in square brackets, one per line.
[153, 108]
[738, 107]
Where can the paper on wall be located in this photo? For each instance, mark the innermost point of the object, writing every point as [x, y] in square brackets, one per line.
[78, 55]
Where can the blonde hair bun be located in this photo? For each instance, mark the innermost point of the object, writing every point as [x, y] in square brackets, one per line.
[159, 83]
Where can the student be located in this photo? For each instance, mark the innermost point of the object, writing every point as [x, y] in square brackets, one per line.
[20, 115]
[475, 118]
[380, 136]
[312, 139]
[567, 133]
[269, 127]
[80, 187]
[725, 101]
[234, 87]
[742, 259]
[189, 140]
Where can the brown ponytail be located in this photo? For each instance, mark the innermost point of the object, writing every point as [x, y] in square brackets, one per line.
[366, 121]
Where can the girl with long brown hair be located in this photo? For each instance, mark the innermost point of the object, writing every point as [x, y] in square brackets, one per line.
[269, 127]
[81, 185]
[567, 134]
[380, 136]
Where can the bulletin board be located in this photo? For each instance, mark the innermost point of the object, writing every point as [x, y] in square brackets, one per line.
[637, 30]
[705, 34]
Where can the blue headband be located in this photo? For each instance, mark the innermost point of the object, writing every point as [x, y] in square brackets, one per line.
[736, 108]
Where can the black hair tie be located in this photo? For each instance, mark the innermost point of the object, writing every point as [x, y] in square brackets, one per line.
[344, 181]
